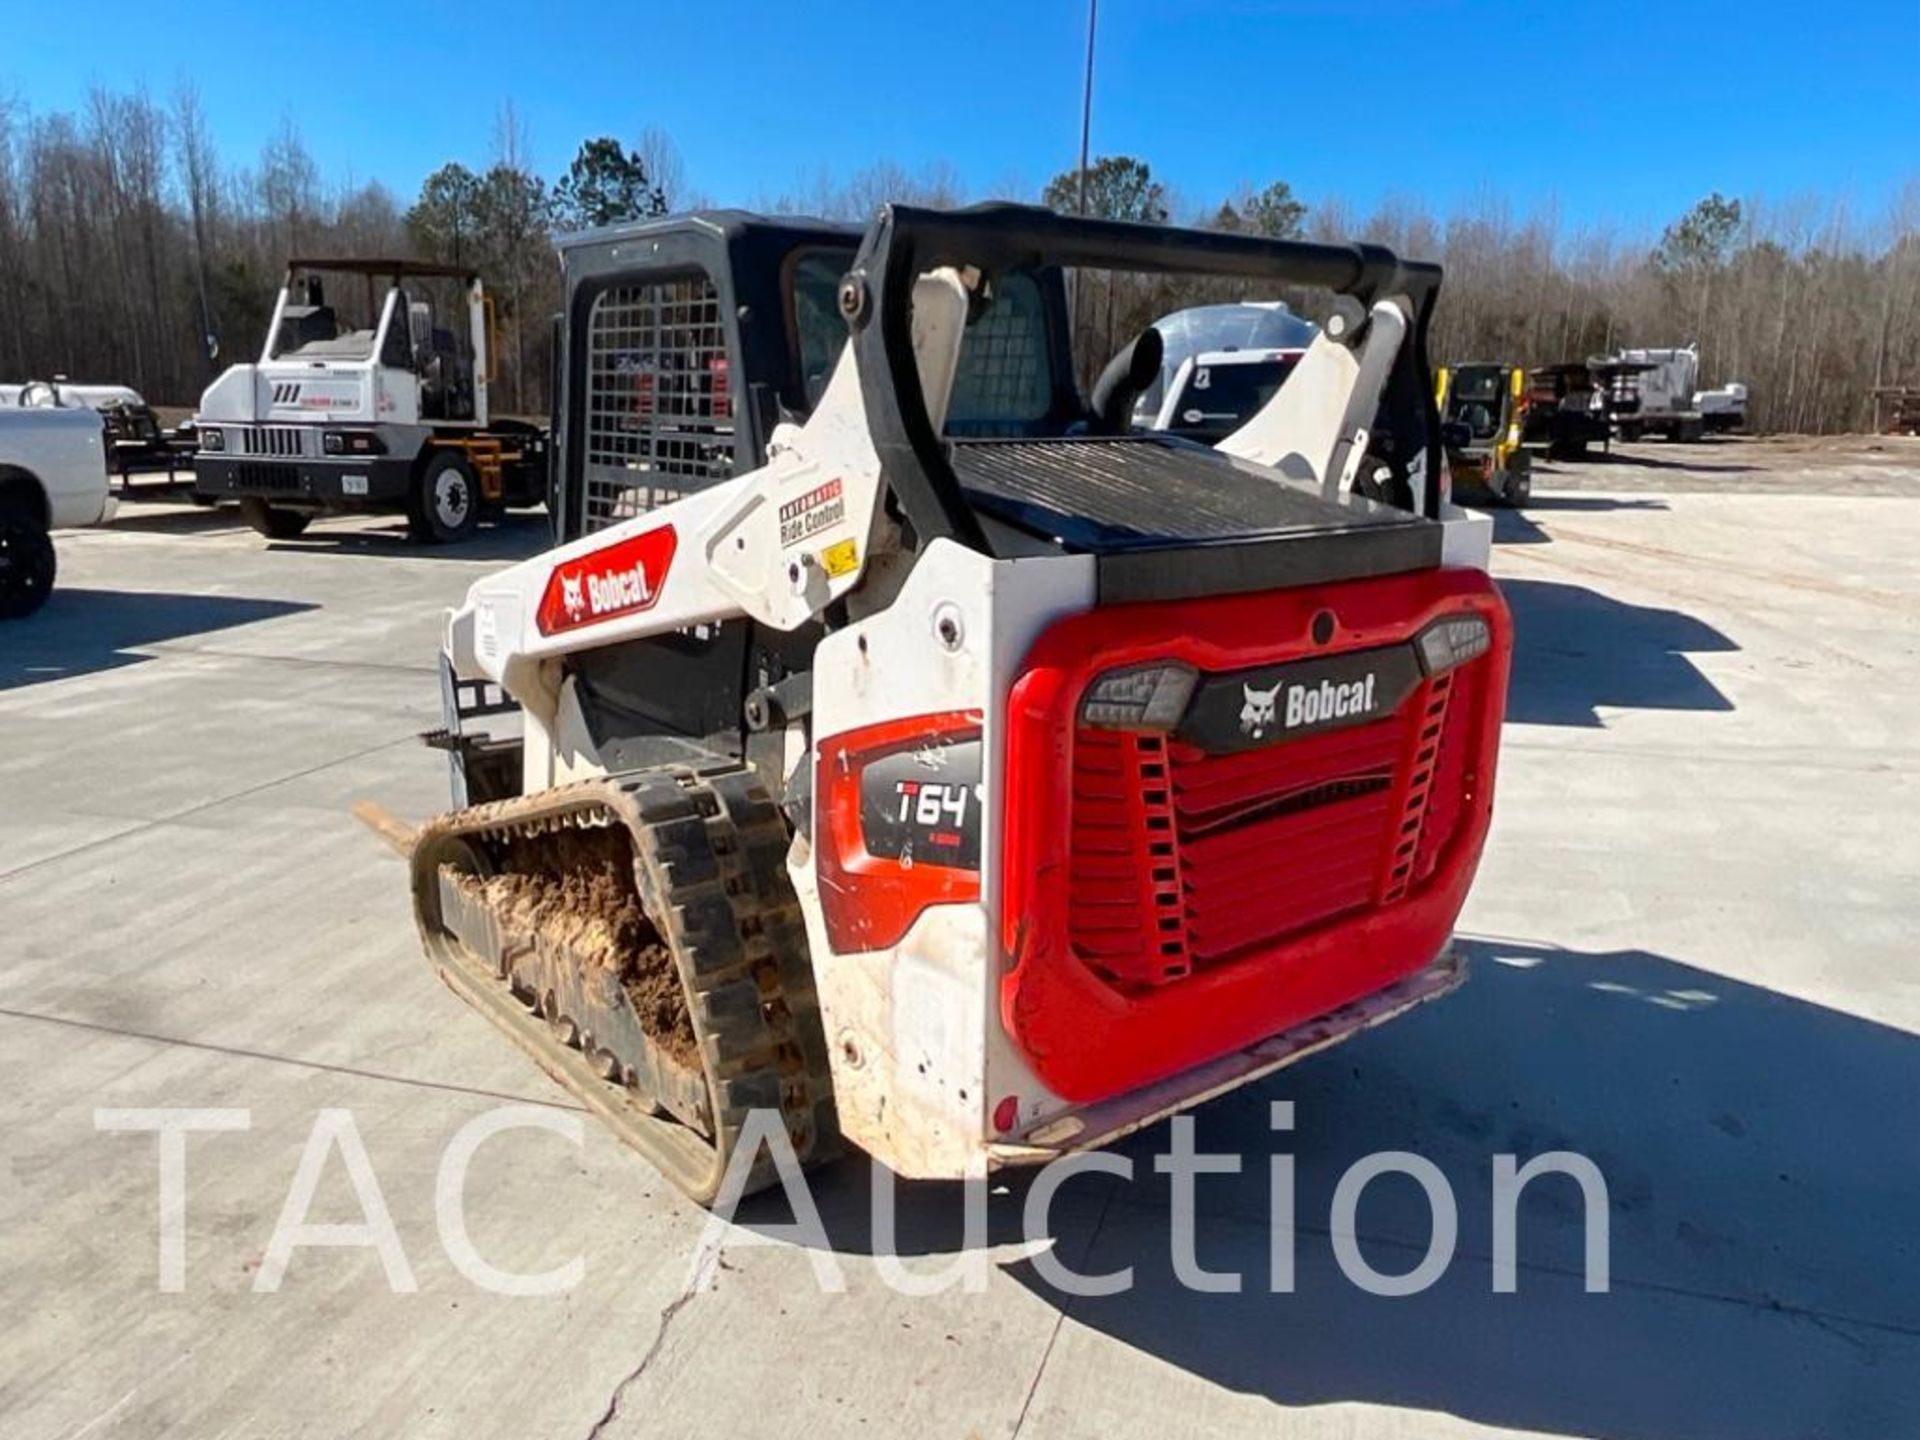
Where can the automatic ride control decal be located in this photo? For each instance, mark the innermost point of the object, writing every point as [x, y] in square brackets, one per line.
[807, 515]
[603, 584]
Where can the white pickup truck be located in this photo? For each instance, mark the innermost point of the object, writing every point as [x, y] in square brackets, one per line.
[53, 473]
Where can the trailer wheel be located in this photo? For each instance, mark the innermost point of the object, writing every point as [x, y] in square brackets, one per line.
[444, 505]
[27, 562]
[276, 522]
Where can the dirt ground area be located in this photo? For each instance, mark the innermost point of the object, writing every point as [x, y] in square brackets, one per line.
[1747, 465]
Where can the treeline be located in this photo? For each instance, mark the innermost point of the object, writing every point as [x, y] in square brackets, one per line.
[132, 251]
[1808, 305]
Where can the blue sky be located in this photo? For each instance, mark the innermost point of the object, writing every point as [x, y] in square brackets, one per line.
[1616, 114]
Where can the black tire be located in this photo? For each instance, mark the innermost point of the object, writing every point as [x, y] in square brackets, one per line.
[444, 505]
[1519, 487]
[27, 561]
[276, 522]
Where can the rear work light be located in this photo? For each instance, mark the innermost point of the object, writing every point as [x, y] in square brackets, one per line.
[1139, 697]
[1451, 641]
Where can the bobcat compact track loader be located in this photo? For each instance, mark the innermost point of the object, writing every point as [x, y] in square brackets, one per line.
[908, 750]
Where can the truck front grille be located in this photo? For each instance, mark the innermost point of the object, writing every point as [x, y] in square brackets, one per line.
[273, 441]
[263, 476]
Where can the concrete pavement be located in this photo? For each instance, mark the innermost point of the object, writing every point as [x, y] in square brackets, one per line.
[1692, 957]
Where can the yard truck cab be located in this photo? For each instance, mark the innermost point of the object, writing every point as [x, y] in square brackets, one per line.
[370, 394]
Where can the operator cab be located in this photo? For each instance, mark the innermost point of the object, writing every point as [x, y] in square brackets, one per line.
[1016, 373]
[404, 316]
[1477, 396]
[689, 339]
[1217, 391]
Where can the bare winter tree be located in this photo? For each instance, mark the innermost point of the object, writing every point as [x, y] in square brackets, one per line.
[662, 159]
[126, 242]
[198, 166]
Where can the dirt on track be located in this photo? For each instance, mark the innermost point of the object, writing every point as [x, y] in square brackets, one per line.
[575, 887]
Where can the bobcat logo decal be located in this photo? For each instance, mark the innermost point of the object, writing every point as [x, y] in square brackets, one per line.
[1257, 714]
[618, 579]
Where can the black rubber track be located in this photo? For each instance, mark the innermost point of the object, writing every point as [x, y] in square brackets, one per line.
[709, 852]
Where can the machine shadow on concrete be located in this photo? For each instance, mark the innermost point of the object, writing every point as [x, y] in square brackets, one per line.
[1575, 649]
[168, 515]
[1639, 459]
[515, 537]
[1518, 527]
[1761, 1164]
[81, 632]
[1762, 1170]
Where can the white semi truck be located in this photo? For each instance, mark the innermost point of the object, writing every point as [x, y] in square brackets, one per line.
[371, 394]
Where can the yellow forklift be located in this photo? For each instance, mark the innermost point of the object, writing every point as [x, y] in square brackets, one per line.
[1482, 409]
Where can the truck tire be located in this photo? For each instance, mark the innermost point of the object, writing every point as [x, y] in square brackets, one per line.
[1518, 489]
[276, 522]
[27, 562]
[444, 504]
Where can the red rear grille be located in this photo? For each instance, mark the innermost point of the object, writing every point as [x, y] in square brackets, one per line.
[1161, 907]
[1183, 860]
[1124, 885]
[1455, 785]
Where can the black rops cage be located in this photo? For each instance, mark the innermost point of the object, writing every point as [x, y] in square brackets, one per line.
[686, 340]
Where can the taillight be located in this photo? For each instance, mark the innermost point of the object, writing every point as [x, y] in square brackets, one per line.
[900, 807]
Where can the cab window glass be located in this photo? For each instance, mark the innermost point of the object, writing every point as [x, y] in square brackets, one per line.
[1004, 381]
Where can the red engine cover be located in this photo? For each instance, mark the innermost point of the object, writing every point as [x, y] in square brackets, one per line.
[1163, 905]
